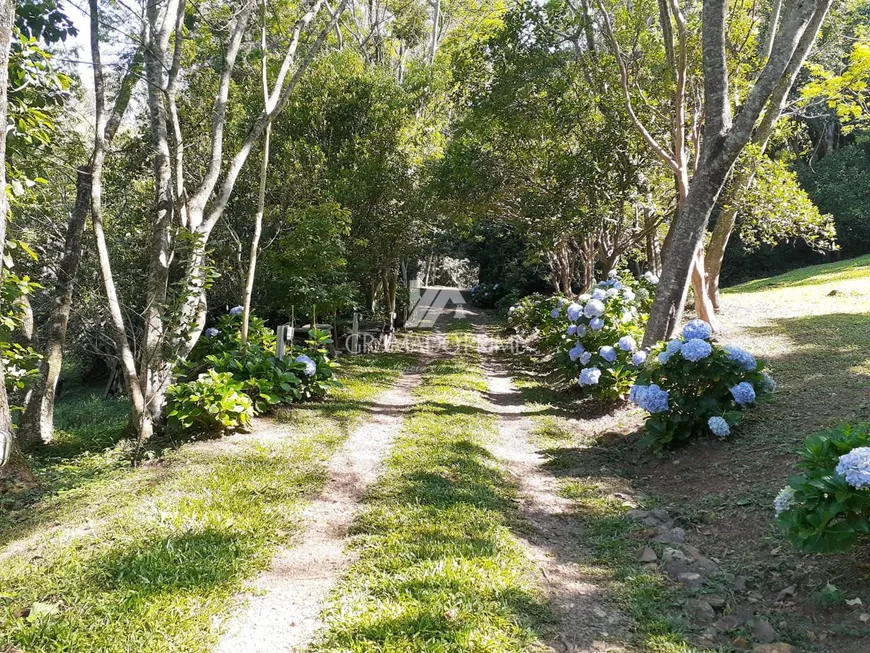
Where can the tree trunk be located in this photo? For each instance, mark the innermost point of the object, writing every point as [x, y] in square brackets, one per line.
[155, 370]
[728, 217]
[681, 257]
[724, 139]
[14, 471]
[436, 19]
[124, 352]
[255, 240]
[716, 249]
[37, 423]
[261, 198]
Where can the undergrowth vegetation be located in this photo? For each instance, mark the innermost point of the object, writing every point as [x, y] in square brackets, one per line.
[439, 569]
[108, 557]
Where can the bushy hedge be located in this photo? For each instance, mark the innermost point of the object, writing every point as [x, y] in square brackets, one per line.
[595, 337]
[237, 381]
[211, 403]
[826, 507]
[485, 295]
[691, 386]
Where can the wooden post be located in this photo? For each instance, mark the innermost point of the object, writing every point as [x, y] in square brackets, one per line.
[354, 334]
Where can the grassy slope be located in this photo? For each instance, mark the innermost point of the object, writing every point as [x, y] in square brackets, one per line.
[143, 559]
[439, 569]
[812, 327]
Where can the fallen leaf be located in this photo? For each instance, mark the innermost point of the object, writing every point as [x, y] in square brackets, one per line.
[39, 610]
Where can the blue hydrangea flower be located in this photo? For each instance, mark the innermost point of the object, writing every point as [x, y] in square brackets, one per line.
[784, 500]
[697, 329]
[855, 467]
[743, 393]
[635, 393]
[671, 348]
[574, 311]
[211, 333]
[627, 343]
[617, 285]
[767, 383]
[575, 351]
[611, 292]
[236, 310]
[696, 349]
[596, 323]
[555, 312]
[650, 397]
[580, 331]
[742, 357]
[310, 365]
[571, 330]
[650, 277]
[719, 427]
[608, 353]
[599, 294]
[589, 376]
[594, 308]
[639, 357]
[585, 357]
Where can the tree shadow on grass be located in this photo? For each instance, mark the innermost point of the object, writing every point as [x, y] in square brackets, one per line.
[186, 561]
[824, 379]
[435, 564]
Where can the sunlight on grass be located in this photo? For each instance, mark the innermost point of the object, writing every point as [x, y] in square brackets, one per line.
[439, 569]
[145, 559]
[851, 269]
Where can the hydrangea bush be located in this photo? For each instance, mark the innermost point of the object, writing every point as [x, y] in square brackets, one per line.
[595, 336]
[826, 507]
[486, 295]
[691, 386]
[211, 403]
[250, 370]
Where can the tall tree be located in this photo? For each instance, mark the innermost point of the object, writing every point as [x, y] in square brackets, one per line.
[172, 325]
[744, 175]
[37, 422]
[724, 137]
[13, 465]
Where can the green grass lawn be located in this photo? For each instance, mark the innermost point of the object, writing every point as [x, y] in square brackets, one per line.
[439, 569]
[853, 268]
[106, 557]
[812, 328]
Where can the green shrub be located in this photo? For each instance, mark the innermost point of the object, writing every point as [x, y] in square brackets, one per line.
[267, 380]
[594, 338]
[691, 386]
[826, 508]
[226, 336]
[314, 367]
[212, 403]
[485, 295]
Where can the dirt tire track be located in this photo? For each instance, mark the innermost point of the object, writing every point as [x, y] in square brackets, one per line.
[284, 612]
